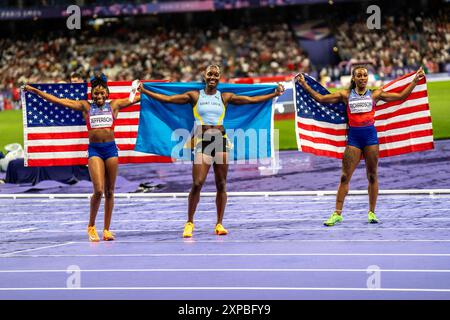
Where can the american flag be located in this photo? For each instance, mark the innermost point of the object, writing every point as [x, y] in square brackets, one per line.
[403, 126]
[57, 136]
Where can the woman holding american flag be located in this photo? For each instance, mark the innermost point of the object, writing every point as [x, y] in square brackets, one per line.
[362, 138]
[100, 116]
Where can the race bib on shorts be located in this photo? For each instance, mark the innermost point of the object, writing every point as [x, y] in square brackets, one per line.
[360, 106]
[101, 121]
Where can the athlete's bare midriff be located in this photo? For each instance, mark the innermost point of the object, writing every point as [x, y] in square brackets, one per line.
[101, 135]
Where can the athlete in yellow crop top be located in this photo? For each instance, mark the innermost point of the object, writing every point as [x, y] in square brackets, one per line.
[209, 107]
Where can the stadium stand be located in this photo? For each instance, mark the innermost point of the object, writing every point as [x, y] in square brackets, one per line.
[247, 48]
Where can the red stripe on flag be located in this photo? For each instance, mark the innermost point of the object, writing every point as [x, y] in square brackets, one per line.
[125, 134]
[126, 147]
[405, 136]
[310, 127]
[59, 136]
[401, 88]
[57, 162]
[404, 124]
[71, 148]
[76, 135]
[127, 122]
[320, 152]
[323, 141]
[84, 161]
[65, 148]
[412, 96]
[133, 108]
[398, 79]
[409, 110]
[407, 149]
[145, 159]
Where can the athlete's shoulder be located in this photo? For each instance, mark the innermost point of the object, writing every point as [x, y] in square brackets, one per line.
[376, 93]
[194, 96]
[346, 93]
[226, 96]
[193, 93]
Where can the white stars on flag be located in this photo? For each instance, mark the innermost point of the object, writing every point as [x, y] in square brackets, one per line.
[40, 112]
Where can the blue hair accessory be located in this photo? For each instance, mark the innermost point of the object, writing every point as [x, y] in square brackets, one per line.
[102, 78]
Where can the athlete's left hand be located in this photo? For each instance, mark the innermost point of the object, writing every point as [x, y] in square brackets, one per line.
[420, 74]
[279, 90]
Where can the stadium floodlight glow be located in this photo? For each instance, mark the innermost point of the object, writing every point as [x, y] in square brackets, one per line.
[97, 22]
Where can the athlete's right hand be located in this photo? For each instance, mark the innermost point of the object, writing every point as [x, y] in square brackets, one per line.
[301, 79]
[27, 87]
[420, 74]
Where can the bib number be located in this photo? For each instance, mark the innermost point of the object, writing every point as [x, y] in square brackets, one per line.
[360, 106]
[101, 121]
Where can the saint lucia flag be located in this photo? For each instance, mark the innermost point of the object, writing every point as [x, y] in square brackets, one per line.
[165, 129]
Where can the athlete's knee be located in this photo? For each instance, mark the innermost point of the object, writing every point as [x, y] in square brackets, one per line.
[98, 193]
[197, 184]
[109, 193]
[345, 178]
[221, 185]
[372, 177]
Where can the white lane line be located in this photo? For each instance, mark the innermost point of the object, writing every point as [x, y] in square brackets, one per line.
[224, 289]
[368, 228]
[254, 220]
[63, 213]
[288, 211]
[8, 254]
[234, 255]
[23, 230]
[263, 202]
[233, 194]
[230, 270]
[232, 241]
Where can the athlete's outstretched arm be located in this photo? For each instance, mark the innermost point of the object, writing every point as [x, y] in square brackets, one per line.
[327, 98]
[392, 96]
[236, 99]
[78, 105]
[187, 97]
[125, 102]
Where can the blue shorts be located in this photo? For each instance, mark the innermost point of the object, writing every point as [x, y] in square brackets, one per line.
[104, 150]
[361, 137]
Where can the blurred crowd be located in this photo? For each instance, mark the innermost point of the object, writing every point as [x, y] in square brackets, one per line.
[403, 44]
[155, 54]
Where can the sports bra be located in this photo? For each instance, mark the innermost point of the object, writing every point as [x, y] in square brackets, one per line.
[100, 117]
[209, 109]
[361, 109]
